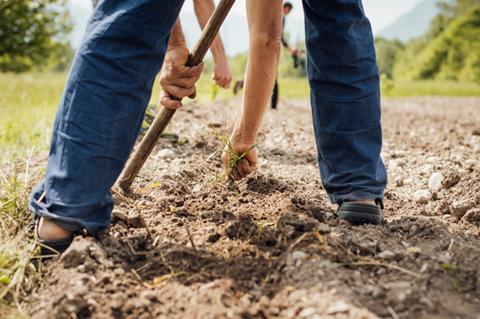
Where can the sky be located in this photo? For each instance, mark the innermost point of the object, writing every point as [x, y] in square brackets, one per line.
[380, 12]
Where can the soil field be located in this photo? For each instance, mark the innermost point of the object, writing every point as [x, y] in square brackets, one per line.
[187, 246]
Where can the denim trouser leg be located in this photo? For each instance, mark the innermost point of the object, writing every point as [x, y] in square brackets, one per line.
[345, 96]
[101, 110]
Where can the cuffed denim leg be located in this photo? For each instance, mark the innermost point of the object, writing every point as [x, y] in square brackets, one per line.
[101, 110]
[345, 99]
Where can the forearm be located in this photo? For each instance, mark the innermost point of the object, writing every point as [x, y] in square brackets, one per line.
[265, 32]
[177, 37]
[204, 10]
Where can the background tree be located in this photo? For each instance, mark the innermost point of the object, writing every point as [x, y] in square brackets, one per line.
[449, 50]
[387, 51]
[31, 32]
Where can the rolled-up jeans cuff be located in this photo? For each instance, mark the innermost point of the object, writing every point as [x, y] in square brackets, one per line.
[39, 207]
[356, 196]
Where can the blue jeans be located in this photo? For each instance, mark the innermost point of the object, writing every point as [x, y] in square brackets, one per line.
[110, 83]
[345, 97]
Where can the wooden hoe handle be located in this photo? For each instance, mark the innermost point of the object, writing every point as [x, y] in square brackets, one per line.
[162, 119]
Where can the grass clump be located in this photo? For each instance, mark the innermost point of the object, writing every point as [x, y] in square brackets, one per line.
[230, 170]
[17, 246]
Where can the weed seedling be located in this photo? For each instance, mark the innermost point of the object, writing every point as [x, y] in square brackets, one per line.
[233, 158]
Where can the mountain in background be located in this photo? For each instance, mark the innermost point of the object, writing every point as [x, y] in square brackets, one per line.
[412, 24]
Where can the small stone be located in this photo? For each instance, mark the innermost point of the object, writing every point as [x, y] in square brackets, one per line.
[408, 181]
[119, 271]
[399, 181]
[386, 254]
[426, 169]
[337, 307]
[120, 216]
[472, 216]
[135, 220]
[263, 163]
[460, 208]
[166, 153]
[148, 295]
[421, 196]
[392, 165]
[399, 291]
[307, 312]
[451, 180]
[435, 182]
[298, 255]
[323, 228]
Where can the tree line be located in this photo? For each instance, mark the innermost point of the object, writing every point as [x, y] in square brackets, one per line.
[34, 35]
[449, 50]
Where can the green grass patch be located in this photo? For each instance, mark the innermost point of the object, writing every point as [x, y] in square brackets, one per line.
[17, 247]
[27, 106]
[431, 88]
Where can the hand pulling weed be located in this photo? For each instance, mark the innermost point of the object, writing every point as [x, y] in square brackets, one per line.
[233, 157]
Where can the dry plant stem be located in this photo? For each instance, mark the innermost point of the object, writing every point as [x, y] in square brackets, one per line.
[381, 264]
[393, 313]
[190, 238]
[139, 278]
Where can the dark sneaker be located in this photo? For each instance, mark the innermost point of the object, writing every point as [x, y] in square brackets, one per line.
[359, 214]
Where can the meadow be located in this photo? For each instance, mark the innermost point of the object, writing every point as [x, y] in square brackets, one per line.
[28, 103]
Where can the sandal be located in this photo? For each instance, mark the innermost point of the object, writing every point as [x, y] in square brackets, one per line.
[50, 248]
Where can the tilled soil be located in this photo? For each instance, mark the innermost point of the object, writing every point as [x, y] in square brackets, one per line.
[184, 245]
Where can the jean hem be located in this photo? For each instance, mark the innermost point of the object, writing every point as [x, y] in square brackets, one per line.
[356, 196]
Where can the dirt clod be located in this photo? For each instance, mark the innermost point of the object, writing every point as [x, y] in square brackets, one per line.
[460, 208]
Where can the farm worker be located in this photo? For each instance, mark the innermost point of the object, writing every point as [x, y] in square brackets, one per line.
[345, 98]
[110, 83]
[287, 8]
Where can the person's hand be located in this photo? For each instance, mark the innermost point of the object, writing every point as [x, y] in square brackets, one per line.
[294, 51]
[176, 79]
[244, 166]
[222, 74]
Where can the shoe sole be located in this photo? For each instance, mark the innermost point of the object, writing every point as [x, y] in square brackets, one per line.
[360, 214]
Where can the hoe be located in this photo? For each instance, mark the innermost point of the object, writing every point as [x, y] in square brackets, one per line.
[161, 121]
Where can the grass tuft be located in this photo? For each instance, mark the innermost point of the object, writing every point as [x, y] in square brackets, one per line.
[233, 156]
[17, 246]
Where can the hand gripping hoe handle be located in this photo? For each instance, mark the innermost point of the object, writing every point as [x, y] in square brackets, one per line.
[144, 149]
